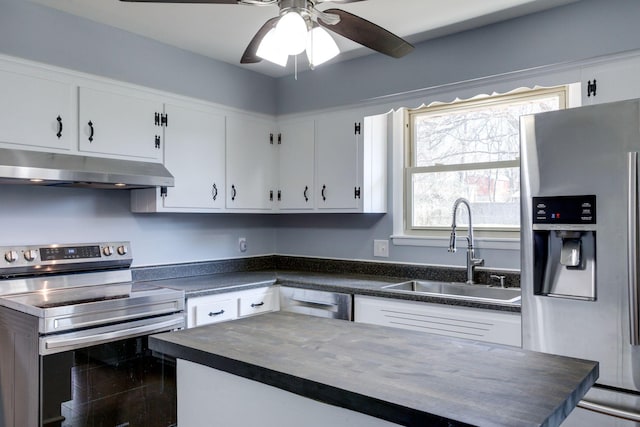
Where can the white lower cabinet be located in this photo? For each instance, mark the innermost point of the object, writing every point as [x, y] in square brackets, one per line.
[231, 305]
[455, 321]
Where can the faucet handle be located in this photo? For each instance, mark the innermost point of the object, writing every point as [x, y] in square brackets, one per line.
[500, 278]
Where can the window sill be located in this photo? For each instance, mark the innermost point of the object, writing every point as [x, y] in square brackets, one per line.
[512, 244]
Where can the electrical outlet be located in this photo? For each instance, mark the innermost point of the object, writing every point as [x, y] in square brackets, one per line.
[242, 244]
[381, 248]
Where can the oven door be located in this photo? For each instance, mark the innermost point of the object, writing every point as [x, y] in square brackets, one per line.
[107, 376]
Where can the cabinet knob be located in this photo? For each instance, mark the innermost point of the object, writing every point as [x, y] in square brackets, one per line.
[214, 191]
[59, 120]
[91, 131]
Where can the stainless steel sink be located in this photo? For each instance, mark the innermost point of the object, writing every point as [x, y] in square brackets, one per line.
[457, 290]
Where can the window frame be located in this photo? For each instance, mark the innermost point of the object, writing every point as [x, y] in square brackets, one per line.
[408, 170]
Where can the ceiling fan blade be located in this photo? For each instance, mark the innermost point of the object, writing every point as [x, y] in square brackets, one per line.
[367, 34]
[185, 1]
[249, 56]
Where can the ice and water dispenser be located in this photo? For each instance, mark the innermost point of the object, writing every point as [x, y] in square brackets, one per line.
[564, 239]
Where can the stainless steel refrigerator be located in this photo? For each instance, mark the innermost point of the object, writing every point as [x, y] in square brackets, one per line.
[580, 258]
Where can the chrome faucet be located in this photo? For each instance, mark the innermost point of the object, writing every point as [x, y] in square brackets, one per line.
[472, 261]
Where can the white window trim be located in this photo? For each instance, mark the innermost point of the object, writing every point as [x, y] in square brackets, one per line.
[400, 236]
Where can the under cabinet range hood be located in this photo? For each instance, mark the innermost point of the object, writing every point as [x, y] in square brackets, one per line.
[54, 169]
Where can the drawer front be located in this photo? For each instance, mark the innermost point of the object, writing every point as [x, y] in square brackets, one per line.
[215, 311]
[259, 302]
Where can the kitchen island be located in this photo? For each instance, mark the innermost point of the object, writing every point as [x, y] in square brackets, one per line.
[336, 370]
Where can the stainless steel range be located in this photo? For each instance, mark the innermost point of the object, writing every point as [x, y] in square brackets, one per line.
[73, 334]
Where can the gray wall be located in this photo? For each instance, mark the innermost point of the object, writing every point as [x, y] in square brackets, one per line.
[576, 31]
[38, 33]
[35, 215]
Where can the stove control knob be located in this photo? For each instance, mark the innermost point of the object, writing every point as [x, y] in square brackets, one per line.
[122, 250]
[11, 256]
[30, 254]
[107, 250]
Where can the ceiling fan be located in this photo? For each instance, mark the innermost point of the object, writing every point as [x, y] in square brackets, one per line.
[300, 26]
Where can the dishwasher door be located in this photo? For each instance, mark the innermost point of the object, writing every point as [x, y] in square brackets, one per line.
[316, 303]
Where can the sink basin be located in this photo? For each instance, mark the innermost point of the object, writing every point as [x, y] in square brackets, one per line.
[457, 290]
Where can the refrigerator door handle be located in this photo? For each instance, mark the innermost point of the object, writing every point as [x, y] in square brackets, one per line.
[633, 250]
[609, 410]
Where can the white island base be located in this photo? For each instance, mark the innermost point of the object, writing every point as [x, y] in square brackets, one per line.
[209, 397]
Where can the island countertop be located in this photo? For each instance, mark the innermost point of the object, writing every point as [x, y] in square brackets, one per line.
[406, 377]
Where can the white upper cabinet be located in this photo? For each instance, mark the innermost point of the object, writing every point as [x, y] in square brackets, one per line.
[351, 162]
[296, 165]
[251, 159]
[124, 123]
[194, 153]
[36, 111]
[338, 141]
[610, 81]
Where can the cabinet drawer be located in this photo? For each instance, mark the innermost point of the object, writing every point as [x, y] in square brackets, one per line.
[215, 311]
[258, 302]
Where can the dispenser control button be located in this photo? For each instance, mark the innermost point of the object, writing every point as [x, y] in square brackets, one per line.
[11, 256]
[107, 250]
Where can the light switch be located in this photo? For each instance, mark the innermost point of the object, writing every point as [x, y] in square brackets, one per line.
[381, 248]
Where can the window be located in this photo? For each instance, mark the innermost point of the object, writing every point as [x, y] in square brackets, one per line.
[469, 149]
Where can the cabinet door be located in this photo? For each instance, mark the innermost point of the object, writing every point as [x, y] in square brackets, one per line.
[36, 111]
[615, 80]
[118, 124]
[296, 165]
[194, 153]
[251, 161]
[337, 151]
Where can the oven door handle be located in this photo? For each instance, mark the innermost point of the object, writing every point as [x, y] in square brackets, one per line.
[59, 343]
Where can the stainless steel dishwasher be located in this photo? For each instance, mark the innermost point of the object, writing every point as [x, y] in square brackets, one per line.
[316, 303]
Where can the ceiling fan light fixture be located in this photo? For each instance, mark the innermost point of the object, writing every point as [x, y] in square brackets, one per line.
[271, 50]
[320, 46]
[291, 30]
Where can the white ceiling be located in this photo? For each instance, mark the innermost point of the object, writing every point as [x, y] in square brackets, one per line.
[223, 31]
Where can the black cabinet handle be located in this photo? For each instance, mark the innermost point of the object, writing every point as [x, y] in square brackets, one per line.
[217, 313]
[271, 195]
[59, 134]
[306, 197]
[233, 193]
[260, 304]
[279, 195]
[324, 196]
[91, 130]
[214, 191]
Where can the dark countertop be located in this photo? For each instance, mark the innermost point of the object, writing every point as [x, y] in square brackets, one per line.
[371, 285]
[406, 377]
